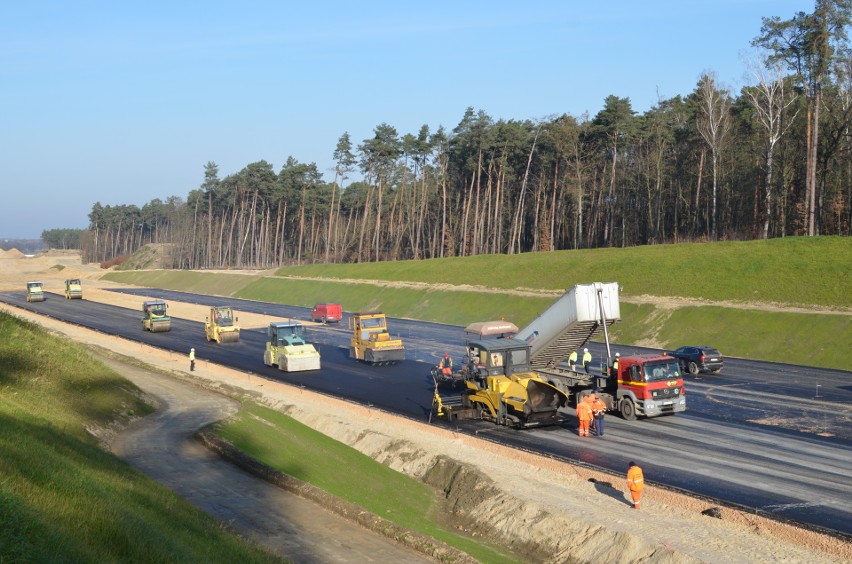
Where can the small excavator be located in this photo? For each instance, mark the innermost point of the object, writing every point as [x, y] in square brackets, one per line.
[221, 325]
[287, 348]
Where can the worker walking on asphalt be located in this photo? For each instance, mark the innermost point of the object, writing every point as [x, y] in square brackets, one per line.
[587, 360]
[192, 360]
[584, 414]
[572, 360]
[598, 410]
[635, 483]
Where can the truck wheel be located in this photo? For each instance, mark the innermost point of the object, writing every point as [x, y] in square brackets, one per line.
[628, 410]
[693, 368]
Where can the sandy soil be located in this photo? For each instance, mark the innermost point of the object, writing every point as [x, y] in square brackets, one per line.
[549, 510]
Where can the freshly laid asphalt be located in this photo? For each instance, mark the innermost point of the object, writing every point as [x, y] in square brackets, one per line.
[728, 445]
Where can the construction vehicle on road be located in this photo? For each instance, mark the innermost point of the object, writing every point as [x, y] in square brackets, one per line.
[221, 325]
[643, 385]
[35, 292]
[156, 318]
[371, 341]
[287, 348]
[73, 289]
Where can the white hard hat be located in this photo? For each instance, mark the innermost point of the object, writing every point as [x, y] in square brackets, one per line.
[193, 350]
[585, 350]
[617, 354]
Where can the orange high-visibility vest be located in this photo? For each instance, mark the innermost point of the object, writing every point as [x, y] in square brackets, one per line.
[635, 479]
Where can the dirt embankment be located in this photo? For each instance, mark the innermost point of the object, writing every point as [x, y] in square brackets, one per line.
[550, 510]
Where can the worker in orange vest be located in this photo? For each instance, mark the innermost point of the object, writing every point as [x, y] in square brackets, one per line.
[584, 414]
[635, 483]
[598, 410]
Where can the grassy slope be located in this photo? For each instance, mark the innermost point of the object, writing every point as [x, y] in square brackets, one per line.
[790, 271]
[62, 498]
[312, 457]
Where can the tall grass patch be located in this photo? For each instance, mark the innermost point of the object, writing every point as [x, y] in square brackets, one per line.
[285, 444]
[64, 499]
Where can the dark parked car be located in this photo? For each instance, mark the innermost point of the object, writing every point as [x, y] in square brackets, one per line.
[698, 359]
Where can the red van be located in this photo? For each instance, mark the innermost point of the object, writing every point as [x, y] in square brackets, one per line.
[327, 313]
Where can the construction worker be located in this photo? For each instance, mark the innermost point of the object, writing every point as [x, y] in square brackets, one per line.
[635, 483]
[572, 360]
[614, 370]
[587, 360]
[192, 360]
[446, 365]
[584, 414]
[598, 410]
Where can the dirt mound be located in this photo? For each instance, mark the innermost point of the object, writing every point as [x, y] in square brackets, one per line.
[11, 253]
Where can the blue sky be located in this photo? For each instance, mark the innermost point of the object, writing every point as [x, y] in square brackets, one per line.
[124, 102]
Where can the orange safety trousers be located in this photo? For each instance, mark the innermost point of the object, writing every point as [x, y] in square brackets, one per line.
[584, 428]
[636, 495]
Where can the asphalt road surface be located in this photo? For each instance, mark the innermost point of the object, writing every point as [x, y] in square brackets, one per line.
[772, 437]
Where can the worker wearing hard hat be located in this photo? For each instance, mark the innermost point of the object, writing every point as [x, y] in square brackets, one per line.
[587, 360]
[613, 371]
[572, 360]
[446, 365]
[584, 416]
[191, 360]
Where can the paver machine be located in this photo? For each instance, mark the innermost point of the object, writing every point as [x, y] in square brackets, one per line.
[287, 348]
[221, 325]
[35, 293]
[73, 289]
[371, 341]
[156, 318]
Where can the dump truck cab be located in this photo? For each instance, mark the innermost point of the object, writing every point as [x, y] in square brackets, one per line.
[503, 387]
[221, 325]
[156, 318]
[647, 385]
[73, 289]
[371, 341]
[287, 348]
[35, 292]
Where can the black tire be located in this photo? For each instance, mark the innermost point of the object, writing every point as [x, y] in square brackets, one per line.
[693, 368]
[628, 410]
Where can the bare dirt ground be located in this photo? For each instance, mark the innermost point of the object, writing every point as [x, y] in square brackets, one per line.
[552, 511]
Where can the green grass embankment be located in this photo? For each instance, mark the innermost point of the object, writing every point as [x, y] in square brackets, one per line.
[64, 499]
[283, 443]
[790, 272]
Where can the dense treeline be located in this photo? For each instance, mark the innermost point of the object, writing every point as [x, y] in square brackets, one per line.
[772, 160]
[61, 238]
